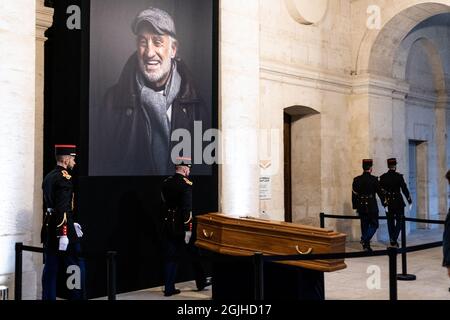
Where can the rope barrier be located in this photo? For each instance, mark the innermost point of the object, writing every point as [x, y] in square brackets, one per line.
[348, 217]
[258, 260]
[110, 257]
[404, 276]
[425, 220]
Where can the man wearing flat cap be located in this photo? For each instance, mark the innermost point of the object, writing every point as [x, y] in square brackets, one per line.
[393, 186]
[60, 234]
[176, 196]
[154, 96]
[364, 190]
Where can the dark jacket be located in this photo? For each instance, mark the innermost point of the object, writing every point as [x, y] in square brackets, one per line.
[176, 195]
[446, 242]
[121, 144]
[58, 197]
[393, 184]
[364, 189]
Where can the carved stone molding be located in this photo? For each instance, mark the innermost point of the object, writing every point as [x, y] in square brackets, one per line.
[305, 77]
[44, 19]
[377, 85]
[307, 12]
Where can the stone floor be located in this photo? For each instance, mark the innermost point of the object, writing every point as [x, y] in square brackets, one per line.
[352, 283]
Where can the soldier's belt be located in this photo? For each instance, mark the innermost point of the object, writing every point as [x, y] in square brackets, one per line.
[391, 196]
[393, 193]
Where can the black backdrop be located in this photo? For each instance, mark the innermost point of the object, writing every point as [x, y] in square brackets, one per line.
[116, 213]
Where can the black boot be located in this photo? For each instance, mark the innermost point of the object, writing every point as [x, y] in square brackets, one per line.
[203, 285]
[171, 293]
[366, 247]
[393, 244]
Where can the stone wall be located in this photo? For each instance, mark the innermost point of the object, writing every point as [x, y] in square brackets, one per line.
[22, 27]
[309, 66]
[239, 106]
[367, 102]
[428, 72]
[17, 123]
[363, 103]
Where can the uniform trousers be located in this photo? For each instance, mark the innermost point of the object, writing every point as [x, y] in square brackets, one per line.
[394, 222]
[54, 260]
[369, 225]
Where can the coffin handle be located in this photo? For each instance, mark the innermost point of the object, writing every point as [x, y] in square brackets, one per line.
[208, 236]
[303, 253]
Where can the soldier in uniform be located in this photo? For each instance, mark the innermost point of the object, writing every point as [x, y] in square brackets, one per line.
[393, 185]
[364, 201]
[60, 233]
[177, 206]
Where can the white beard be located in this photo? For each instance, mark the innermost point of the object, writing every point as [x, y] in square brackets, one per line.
[156, 76]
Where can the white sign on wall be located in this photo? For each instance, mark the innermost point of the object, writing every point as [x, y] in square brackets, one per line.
[265, 188]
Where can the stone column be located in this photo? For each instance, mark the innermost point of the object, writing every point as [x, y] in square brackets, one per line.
[378, 128]
[447, 116]
[359, 124]
[441, 143]
[17, 137]
[44, 19]
[239, 107]
[400, 141]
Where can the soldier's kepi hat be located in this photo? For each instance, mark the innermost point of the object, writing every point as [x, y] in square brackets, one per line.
[391, 162]
[183, 161]
[159, 19]
[65, 150]
[367, 164]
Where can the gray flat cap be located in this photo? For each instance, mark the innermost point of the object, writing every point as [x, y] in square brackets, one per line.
[159, 19]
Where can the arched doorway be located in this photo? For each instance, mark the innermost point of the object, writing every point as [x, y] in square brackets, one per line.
[406, 70]
[302, 164]
[379, 46]
[426, 125]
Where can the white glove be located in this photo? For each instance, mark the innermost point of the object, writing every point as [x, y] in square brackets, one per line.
[78, 230]
[187, 236]
[63, 243]
[386, 209]
[410, 206]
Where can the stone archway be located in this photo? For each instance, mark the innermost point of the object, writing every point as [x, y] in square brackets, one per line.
[378, 47]
[381, 73]
[435, 56]
[426, 113]
[394, 62]
[378, 105]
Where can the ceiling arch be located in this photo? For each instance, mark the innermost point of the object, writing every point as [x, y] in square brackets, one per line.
[378, 48]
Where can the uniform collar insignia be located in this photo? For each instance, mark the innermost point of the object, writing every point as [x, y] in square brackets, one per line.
[189, 182]
[66, 174]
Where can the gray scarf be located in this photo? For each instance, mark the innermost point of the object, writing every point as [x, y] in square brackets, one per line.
[155, 106]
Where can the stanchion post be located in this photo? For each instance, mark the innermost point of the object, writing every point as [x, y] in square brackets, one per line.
[404, 260]
[111, 274]
[322, 220]
[259, 276]
[392, 252]
[18, 272]
[404, 276]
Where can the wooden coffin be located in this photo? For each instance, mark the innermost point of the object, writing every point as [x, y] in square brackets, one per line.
[245, 236]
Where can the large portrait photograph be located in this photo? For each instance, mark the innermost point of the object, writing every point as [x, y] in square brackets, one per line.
[150, 84]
